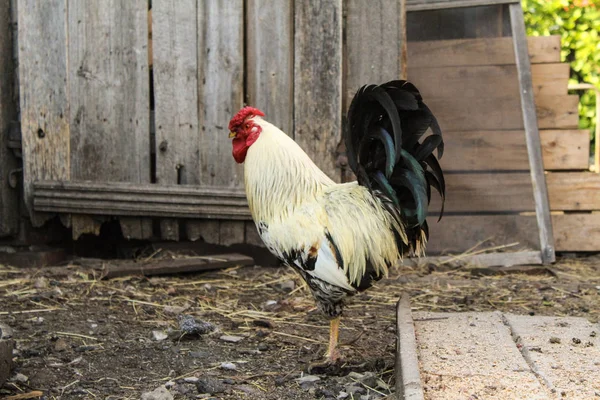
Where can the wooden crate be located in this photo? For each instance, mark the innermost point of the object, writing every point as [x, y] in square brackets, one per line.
[473, 90]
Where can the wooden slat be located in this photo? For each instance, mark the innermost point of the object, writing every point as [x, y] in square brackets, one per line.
[419, 5]
[488, 51]
[486, 192]
[488, 80]
[231, 232]
[175, 74]
[507, 150]
[109, 92]
[576, 232]
[9, 205]
[44, 94]
[531, 122]
[369, 31]
[503, 113]
[569, 191]
[458, 233]
[220, 93]
[270, 69]
[318, 81]
[176, 266]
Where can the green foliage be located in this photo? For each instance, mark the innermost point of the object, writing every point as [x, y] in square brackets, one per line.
[578, 24]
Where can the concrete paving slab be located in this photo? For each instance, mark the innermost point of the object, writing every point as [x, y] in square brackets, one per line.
[564, 351]
[473, 356]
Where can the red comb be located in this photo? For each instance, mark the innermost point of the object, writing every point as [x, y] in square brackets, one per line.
[243, 114]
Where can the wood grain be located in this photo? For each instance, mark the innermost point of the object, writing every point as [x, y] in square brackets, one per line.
[270, 68]
[318, 81]
[109, 92]
[576, 232]
[488, 80]
[175, 72]
[369, 30]
[44, 96]
[507, 150]
[503, 113]
[570, 191]
[221, 84]
[458, 233]
[481, 51]
[9, 201]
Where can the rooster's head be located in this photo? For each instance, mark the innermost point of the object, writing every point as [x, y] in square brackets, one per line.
[244, 131]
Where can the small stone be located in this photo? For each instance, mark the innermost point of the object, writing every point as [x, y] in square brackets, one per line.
[190, 326]
[6, 332]
[19, 377]
[210, 385]
[175, 310]
[263, 347]
[61, 345]
[355, 375]
[229, 366]
[262, 323]
[159, 335]
[308, 378]
[576, 340]
[593, 334]
[355, 389]
[287, 286]
[231, 338]
[343, 395]
[191, 379]
[160, 393]
[169, 384]
[554, 340]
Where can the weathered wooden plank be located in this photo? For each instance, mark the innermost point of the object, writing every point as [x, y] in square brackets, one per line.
[318, 81]
[570, 191]
[486, 192]
[109, 92]
[506, 261]
[252, 237]
[220, 93]
[210, 231]
[458, 233]
[175, 71]
[369, 30]
[576, 232]
[44, 95]
[420, 5]
[231, 232]
[512, 192]
[270, 69]
[135, 228]
[9, 201]
[177, 265]
[531, 121]
[489, 80]
[507, 150]
[484, 51]
[503, 113]
[408, 378]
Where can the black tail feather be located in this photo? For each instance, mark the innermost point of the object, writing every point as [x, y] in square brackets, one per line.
[385, 126]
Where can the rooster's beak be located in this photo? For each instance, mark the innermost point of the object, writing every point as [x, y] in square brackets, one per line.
[232, 135]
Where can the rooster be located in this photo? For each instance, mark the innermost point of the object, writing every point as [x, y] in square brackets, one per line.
[342, 237]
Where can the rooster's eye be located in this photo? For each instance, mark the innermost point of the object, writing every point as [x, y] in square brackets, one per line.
[248, 125]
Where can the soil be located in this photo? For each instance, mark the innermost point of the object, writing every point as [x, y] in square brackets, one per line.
[82, 337]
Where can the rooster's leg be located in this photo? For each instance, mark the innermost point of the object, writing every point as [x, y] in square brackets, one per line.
[332, 354]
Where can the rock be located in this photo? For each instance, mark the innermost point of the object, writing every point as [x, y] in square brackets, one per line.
[191, 379]
[41, 283]
[308, 378]
[210, 385]
[160, 393]
[19, 378]
[343, 395]
[169, 384]
[61, 344]
[287, 286]
[231, 338]
[175, 310]
[229, 366]
[190, 326]
[159, 335]
[263, 347]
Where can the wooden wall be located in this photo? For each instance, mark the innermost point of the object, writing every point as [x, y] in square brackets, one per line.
[9, 206]
[471, 85]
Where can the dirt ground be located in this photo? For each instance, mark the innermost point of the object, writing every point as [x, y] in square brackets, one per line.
[81, 337]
